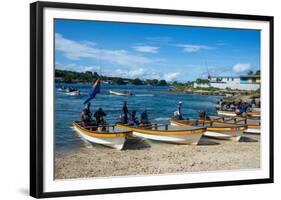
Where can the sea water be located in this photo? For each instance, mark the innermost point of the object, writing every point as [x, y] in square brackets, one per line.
[159, 103]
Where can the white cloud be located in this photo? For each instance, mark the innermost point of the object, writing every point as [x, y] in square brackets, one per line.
[142, 74]
[160, 40]
[240, 68]
[170, 76]
[77, 68]
[190, 48]
[146, 49]
[80, 50]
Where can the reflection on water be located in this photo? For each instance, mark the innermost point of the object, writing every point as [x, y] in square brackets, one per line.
[159, 103]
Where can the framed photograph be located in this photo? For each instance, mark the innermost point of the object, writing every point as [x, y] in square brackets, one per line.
[127, 99]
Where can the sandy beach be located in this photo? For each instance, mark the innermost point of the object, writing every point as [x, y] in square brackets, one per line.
[143, 157]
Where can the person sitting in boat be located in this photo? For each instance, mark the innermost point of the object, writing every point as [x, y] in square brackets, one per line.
[243, 109]
[144, 118]
[232, 106]
[99, 116]
[124, 115]
[253, 103]
[218, 106]
[202, 114]
[133, 120]
[86, 115]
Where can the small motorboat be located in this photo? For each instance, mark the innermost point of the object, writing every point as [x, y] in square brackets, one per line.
[108, 135]
[254, 124]
[121, 93]
[218, 131]
[73, 93]
[69, 91]
[166, 133]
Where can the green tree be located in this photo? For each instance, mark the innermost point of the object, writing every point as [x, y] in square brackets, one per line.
[250, 72]
[137, 81]
[120, 81]
[162, 83]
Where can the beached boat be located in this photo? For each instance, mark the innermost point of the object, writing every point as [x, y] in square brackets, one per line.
[218, 131]
[254, 124]
[121, 93]
[69, 91]
[167, 133]
[113, 136]
[233, 114]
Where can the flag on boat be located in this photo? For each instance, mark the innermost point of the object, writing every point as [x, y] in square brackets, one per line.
[94, 91]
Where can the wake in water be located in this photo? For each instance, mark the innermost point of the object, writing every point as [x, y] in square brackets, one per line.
[144, 95]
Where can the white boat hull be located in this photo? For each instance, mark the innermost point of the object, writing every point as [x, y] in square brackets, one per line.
[220, 135]
[119, 93]
[173, 124]
[230, 114]
[74, 93]
[253, 130]
[224, 136]
[172, 138]
[114, 142]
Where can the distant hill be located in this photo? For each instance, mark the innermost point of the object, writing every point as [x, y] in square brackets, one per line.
[65, 76]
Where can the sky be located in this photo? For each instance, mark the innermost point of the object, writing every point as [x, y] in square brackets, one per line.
[145, 51]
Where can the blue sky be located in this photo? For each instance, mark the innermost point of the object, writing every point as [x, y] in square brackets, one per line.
[146, 51]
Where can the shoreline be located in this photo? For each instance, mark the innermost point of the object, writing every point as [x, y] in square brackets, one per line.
[145, 157]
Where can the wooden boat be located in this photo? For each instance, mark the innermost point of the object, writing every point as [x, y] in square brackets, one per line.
[121, 93]
[218, 131]
[233, 114]
[113, 137]
[253, 124]
[167, 133]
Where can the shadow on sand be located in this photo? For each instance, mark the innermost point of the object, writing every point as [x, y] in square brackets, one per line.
[136, 144]
[207, 141]
[247, 139]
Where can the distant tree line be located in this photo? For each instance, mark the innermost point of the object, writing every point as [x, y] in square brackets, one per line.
[66, 76]
[258, 72]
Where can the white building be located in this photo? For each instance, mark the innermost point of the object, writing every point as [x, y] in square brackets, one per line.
[247, 82]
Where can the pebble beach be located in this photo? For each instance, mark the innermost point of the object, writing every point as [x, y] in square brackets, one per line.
[144, 157]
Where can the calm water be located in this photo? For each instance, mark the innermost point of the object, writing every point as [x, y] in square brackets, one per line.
[159, 104]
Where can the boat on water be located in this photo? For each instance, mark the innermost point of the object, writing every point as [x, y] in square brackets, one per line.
[218, 131]
[166, 133]
[233, 114]
[69, 91]
[254, 124]
[112, 136]
[121, 93]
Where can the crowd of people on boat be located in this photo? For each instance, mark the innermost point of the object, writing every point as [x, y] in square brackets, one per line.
[87, 117]
[98, 118]
[131, 118]
[240, 107]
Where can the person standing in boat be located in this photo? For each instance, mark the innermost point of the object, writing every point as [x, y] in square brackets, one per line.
[178, 113]
[86, 115]
[99, 116]
[124, 115]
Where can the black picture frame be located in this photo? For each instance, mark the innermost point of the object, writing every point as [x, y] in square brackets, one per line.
[37, 100]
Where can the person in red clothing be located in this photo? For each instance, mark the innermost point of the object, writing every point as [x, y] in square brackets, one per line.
[86, 115]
